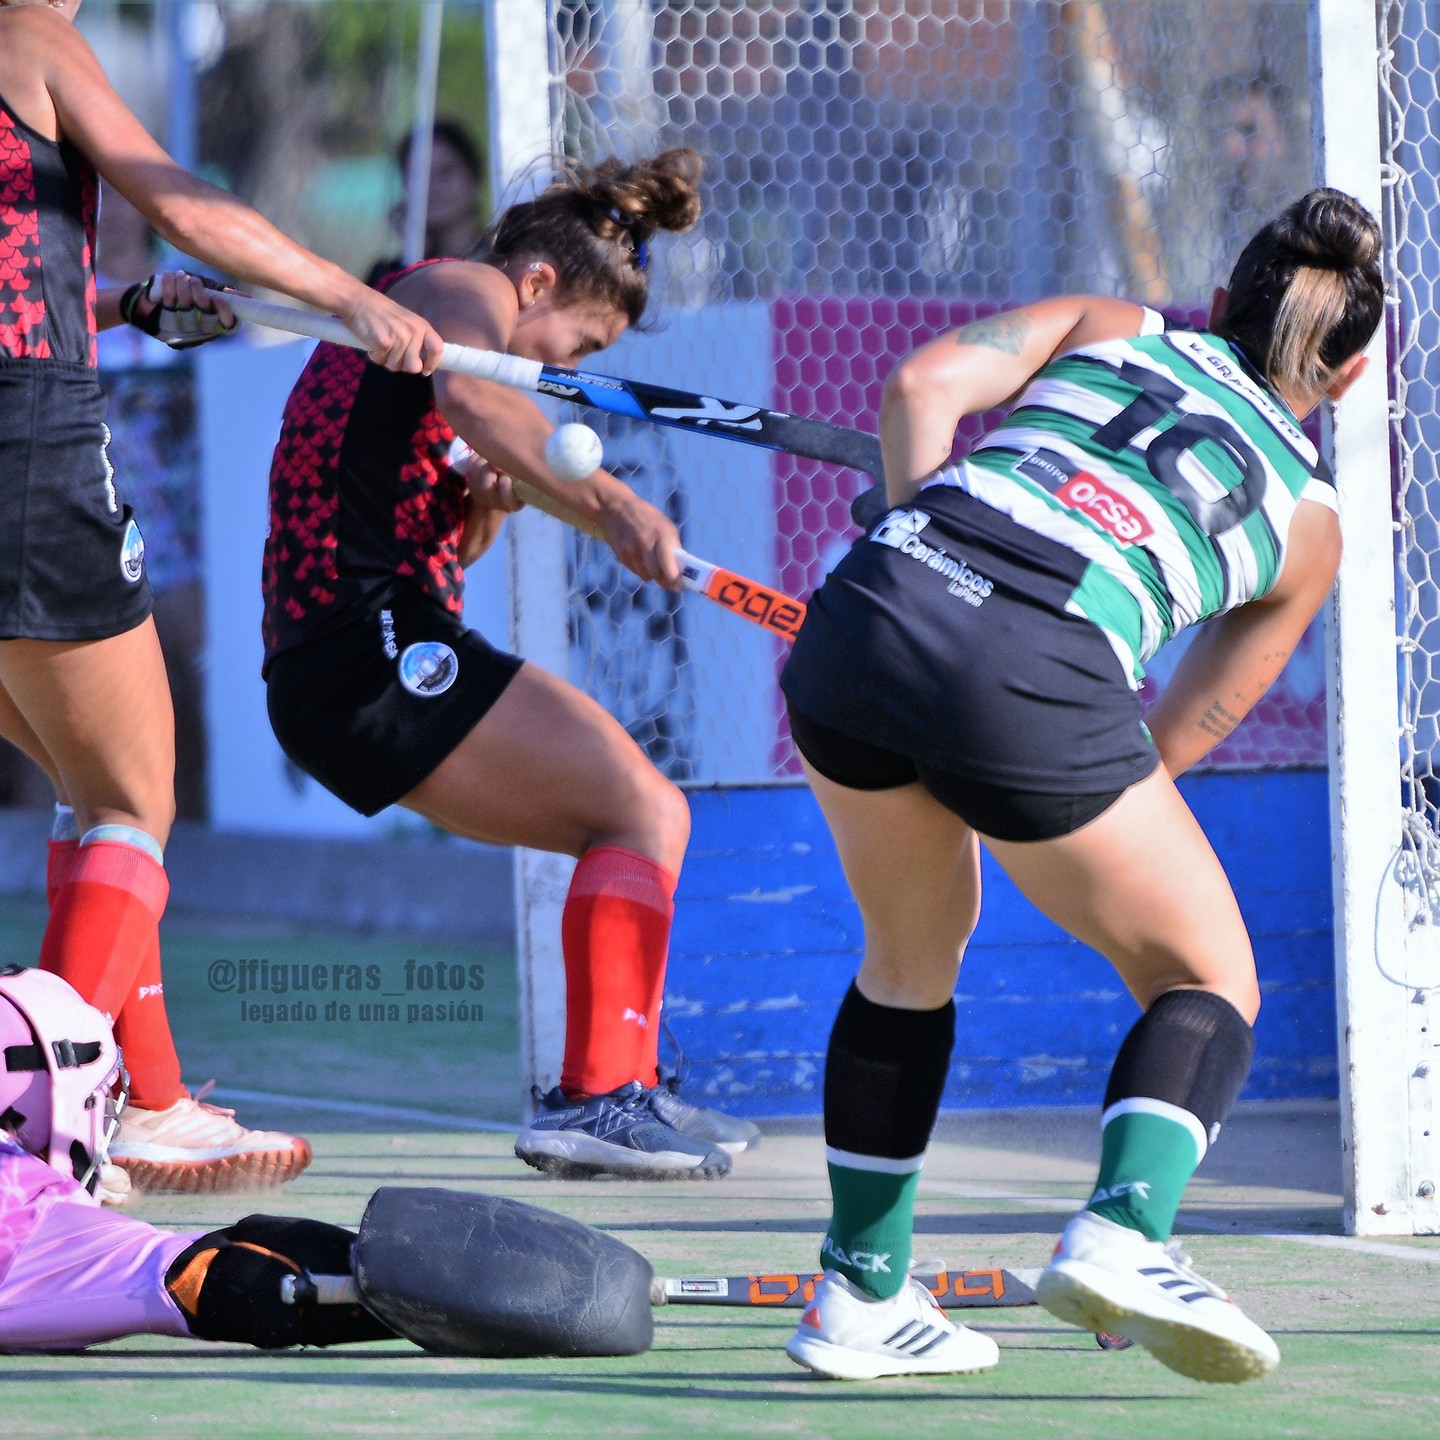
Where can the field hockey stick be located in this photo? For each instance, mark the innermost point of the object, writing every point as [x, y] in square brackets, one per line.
[953, 1289]
[749, 599]
[680, 409]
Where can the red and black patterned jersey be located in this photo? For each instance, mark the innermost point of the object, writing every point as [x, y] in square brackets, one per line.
[49, 196]
[362, 497]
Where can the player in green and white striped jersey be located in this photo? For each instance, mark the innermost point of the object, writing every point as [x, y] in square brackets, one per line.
[969, 670]
[1165, 461]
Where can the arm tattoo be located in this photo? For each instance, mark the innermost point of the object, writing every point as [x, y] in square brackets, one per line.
[1006, 333]
[1218, 721]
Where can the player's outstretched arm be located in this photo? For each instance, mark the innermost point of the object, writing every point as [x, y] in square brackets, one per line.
[197, 218]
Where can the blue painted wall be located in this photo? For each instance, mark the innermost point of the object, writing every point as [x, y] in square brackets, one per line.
[767, 939]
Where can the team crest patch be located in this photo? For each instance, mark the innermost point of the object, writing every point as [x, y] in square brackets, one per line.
[428, 667]
[132, 553]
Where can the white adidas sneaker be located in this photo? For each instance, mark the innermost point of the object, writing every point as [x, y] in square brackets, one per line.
[844, 1334]
[1110, 1279]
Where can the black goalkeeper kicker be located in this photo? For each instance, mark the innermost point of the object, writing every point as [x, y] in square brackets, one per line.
[679, 409]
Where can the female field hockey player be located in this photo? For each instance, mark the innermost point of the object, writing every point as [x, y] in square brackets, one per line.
[968, 672]
[378, 690]
[82, 683]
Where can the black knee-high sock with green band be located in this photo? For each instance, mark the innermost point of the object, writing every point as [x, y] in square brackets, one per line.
[884, 1075]
[1174, 1082]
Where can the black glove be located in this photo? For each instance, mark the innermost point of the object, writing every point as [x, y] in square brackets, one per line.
[188, 320]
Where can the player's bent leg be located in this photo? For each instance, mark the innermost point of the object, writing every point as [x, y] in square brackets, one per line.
[548, 768]
[1141, 884]
[1174, 1082]
[575, 783]
[913, 867]
[100, 710]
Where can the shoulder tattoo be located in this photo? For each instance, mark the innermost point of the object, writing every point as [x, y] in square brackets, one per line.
[1006, 333]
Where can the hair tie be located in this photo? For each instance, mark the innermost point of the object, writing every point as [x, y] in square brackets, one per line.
[1312, 261]
[641, 249]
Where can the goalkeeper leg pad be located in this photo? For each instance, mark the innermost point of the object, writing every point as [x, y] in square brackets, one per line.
[480, 1275]
[228, 1285]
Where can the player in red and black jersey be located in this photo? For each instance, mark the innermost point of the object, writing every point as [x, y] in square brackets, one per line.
[82, 683]
[378, 690]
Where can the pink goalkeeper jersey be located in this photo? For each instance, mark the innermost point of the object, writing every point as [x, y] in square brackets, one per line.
[71, 1273]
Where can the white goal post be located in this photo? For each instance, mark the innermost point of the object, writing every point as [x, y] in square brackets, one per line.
[1382, 717]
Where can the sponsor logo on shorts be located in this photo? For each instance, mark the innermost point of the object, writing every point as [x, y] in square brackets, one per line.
[900, 530]
[428, 668]
[132, 553]
[387, 635]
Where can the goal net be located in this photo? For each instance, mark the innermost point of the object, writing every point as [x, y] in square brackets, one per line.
[878, 171]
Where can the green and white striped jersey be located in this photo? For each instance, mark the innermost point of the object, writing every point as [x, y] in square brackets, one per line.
[1167, 464]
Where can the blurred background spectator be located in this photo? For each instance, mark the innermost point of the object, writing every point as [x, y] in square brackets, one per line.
[453, 208]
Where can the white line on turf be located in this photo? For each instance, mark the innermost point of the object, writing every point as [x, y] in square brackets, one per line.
[360, 1107]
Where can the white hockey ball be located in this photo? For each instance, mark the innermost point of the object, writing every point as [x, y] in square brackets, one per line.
[574, 452]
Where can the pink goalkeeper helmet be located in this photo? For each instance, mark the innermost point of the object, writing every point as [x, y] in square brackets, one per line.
[58, 1064]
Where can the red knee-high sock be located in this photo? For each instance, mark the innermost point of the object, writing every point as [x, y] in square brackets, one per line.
[59, 857]
[104, 939]
[615, 932]
[105, 916]
[142, 1031]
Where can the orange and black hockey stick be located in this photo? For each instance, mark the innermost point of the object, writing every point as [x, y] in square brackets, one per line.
[771, 609]
[953, 1289]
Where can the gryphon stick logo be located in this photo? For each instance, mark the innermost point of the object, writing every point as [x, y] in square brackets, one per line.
[713, 412]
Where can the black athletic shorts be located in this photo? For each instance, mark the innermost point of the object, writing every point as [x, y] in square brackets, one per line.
[941, 641]
[370, 708]
[72, 560]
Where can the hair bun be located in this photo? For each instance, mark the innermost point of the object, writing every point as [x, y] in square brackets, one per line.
[658, 193]
[1331, 230]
